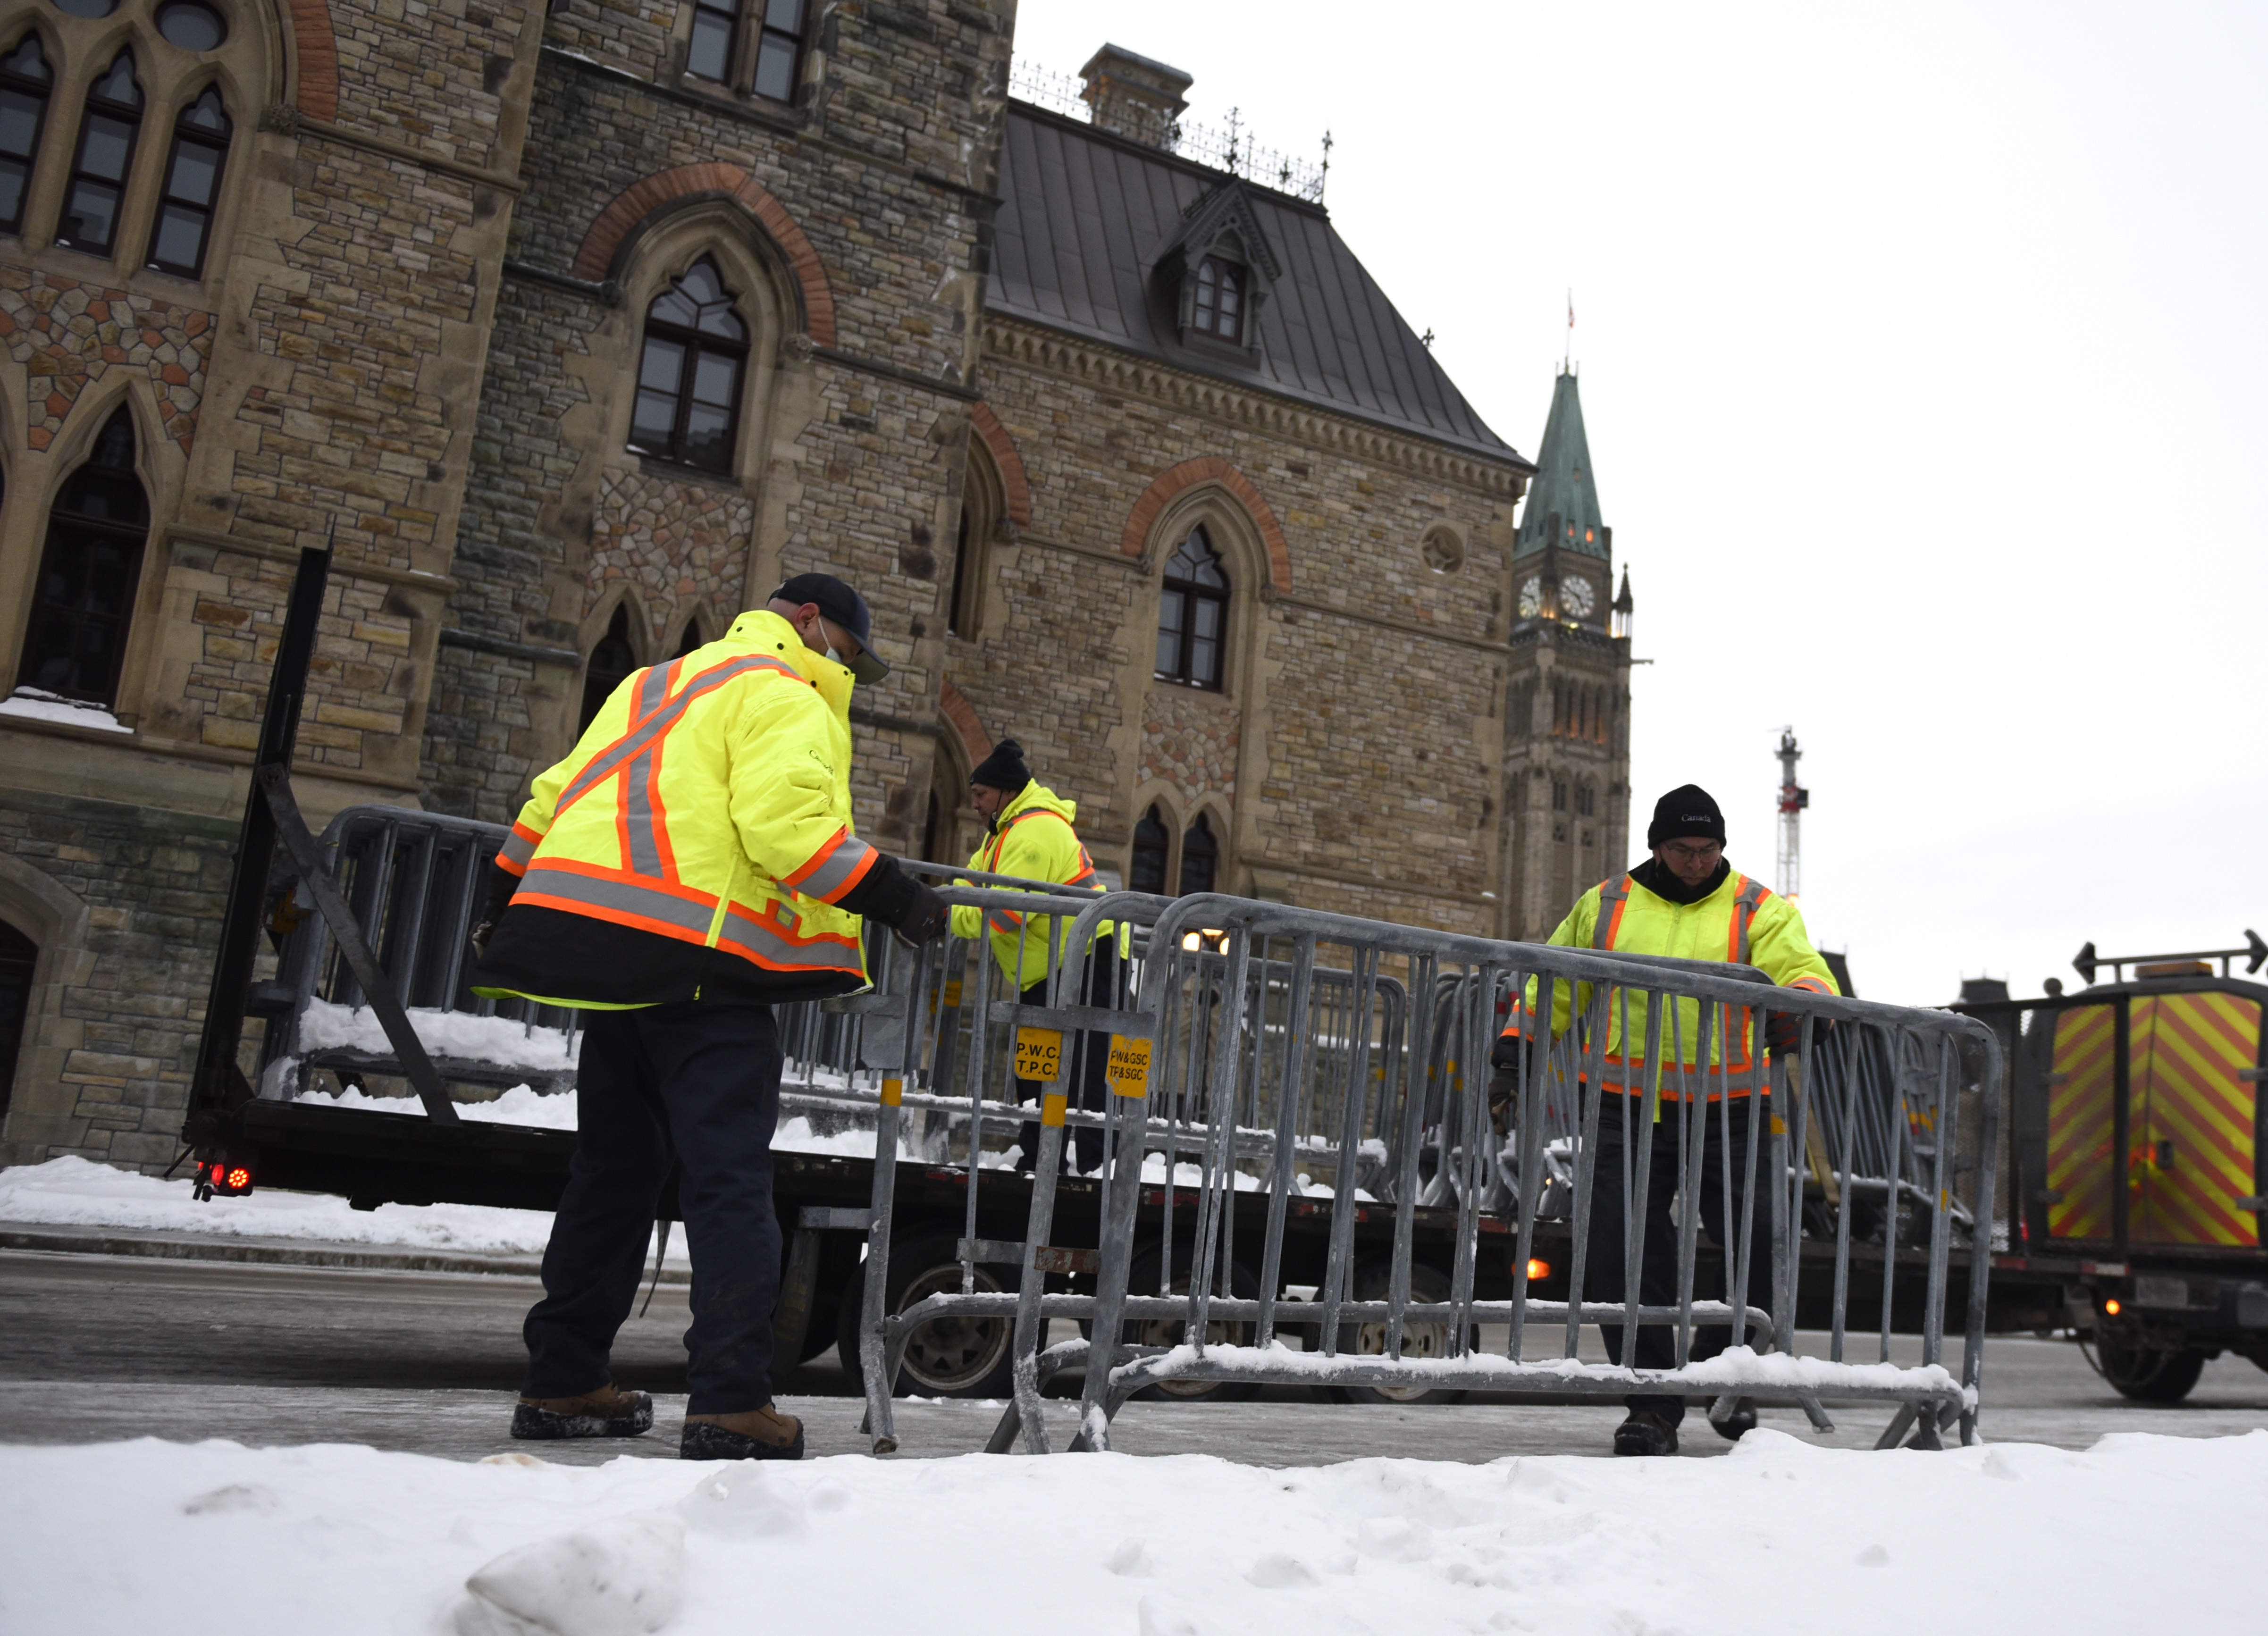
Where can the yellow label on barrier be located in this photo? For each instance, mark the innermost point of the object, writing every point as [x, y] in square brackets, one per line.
[1051, 1108]
[894, 1093]
[1780, 1125]
[1039, 1053]
[1129, 1071]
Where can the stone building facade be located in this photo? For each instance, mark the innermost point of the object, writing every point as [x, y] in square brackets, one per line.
[574, 329]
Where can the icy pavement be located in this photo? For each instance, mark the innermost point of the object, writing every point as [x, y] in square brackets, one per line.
[123, 1537]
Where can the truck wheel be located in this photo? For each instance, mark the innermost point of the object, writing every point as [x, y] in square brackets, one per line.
[1418, 1340]
[1142, 1279]
[947, 1357]
[2148, 1373]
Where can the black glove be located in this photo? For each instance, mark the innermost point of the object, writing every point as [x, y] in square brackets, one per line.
[1784, 1031]
[1503, 1093]
[924, 917]
[481, 933]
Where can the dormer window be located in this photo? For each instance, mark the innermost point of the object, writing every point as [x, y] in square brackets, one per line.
[1218, 310]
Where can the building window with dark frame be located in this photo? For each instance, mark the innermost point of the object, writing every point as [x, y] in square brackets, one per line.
[690, 640]
[82, 602]
[611, 662]
[1193, 615]
[1146, 865]
[688, 390]
[185, 208]
[1200, 857]
[26, 80]
[716, 30]
[779, 49]
[960, 618]
[1218, 309]
[99, 165]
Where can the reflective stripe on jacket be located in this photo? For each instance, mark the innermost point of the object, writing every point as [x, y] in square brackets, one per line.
[1741, 921]
[1032, 836]
[710, 802]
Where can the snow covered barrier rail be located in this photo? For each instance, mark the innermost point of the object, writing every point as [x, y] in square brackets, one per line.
[1651, 1078]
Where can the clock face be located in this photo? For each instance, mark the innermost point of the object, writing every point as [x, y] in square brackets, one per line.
[1577, 597]
[1531, 597]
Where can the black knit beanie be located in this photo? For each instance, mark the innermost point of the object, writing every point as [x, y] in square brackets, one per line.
[1003, 768]
[1687, 812]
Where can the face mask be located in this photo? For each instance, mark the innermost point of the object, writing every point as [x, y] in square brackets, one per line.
[836, 657]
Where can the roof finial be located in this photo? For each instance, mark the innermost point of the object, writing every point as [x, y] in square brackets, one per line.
[1567, 364]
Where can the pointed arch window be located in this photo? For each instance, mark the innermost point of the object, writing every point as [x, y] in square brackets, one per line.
[25, 83]
[83, 604]
[688, 391]
[1200, 856]
[1193, 615]
[1220, 307]
[1145, 866]
[185, 208]
[106, 135]
[610, 665]
[690, 640]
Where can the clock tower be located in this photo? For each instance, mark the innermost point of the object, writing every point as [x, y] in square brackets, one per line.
[1566, 753]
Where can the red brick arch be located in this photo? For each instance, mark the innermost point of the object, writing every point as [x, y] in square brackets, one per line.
[976, 743]
[1170, 485]
[1006, 462]
[317, 93]
[641, 199]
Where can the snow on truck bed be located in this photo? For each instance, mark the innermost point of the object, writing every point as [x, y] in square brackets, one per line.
[2003, 1541]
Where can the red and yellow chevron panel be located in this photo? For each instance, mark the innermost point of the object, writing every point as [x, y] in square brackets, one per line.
[2081, 1168]
[2192, 1119]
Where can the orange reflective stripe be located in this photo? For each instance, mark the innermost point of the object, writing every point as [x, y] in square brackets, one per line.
[1745, 904]
[519, 847]
[1606, 927]
[609, 761]
[834, 868]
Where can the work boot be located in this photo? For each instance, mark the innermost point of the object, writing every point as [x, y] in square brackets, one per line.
[763, 1433]
[1646, 1432]
[1739, 1423]
[610, 1412]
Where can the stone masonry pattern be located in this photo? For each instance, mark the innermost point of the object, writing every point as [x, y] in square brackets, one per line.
[70, 334]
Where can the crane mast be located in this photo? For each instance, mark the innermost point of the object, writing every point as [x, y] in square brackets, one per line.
[1794, 797]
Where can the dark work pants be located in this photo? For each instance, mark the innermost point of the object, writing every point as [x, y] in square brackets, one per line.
[700, 1081]
[1083, 1082]
[1603, 1261]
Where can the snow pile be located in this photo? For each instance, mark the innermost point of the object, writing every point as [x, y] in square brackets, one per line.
[522, 1105]
[40, 705]
[346, 1540]
[455, 1034]
[73, 1191]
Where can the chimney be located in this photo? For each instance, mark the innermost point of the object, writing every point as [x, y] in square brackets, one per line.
[1133, 96]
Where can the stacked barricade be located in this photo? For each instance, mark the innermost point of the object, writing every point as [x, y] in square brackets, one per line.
[1277, 1045]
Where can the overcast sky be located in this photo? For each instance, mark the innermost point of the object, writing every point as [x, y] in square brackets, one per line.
[1923, 353]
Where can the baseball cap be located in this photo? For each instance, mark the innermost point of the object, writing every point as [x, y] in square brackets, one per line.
[847, 608]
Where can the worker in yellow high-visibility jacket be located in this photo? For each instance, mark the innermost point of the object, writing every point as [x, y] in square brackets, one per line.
[1685, 902]
[690, 864]
[1028, 833]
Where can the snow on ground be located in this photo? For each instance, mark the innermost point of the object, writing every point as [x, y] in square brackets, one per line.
[130, 1538]
[71, 1191]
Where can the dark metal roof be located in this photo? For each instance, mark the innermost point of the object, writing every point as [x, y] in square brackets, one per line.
[1085, 218]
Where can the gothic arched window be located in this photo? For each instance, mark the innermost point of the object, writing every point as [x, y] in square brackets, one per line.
[20, 959]
[1200, 857]
[106, 149]
[1145, 866]
[83, 601]
[185, 208]
[25, 82]
[610, 665]
[1220, 307]
[688, 390]
[1193, 615]
[690, 640]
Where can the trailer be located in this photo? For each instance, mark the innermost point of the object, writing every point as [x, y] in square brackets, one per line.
[2134, 1160]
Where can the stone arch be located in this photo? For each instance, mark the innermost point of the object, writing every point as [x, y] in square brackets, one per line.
[1172, 812]
[41, 1111]
[316, 46]
[1015, 490]
[638, 207]
[961, 717]
[1206, 469]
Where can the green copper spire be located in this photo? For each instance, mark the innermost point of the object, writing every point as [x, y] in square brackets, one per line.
[1562, 496]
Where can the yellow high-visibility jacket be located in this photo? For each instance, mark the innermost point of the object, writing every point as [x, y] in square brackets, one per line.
[709, 803]
[1741, 921]
[1032, 836]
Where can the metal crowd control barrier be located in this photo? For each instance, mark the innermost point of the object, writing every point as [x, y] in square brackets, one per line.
[1228, 1003]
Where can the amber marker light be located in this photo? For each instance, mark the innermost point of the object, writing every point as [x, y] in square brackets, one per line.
[1538, 1270]
[2110, 1308]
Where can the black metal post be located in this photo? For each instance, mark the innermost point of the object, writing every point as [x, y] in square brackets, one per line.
[218, 1084]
